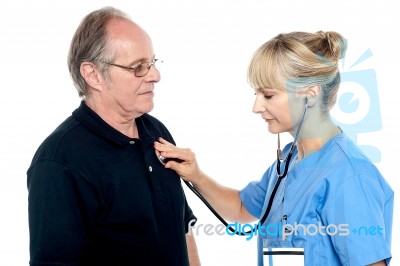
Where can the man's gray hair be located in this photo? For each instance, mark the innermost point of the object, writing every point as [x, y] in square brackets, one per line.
[90, 43]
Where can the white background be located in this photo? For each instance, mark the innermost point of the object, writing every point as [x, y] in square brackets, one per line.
[203, 97]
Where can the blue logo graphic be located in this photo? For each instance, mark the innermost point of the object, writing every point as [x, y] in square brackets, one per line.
[357, 109]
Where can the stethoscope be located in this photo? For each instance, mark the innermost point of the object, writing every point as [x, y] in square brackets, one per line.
[281, 176]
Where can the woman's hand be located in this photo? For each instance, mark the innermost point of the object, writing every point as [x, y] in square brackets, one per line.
[226, 201]
[182, 161]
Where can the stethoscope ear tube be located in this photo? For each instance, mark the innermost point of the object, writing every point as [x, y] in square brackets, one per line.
[280, 178]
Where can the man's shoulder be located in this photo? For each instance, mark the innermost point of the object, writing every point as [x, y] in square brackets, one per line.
[57, 139]
[63, 130]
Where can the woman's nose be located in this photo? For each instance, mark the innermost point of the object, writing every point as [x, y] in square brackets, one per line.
[258, 107]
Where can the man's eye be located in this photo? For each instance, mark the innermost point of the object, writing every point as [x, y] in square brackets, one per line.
[139, 67]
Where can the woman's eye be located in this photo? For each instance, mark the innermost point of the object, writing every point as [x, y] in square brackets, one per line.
[267, 97]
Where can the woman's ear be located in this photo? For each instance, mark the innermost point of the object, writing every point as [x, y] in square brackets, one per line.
[312, 94]
[91, 75]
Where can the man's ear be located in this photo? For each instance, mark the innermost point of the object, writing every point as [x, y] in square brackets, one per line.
[91, 75]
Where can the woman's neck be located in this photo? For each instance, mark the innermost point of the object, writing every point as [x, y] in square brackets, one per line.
[310, 142]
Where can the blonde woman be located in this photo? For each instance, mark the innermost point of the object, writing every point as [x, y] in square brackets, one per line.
[322, 202]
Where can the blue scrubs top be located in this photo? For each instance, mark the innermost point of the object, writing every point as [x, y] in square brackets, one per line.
[335, 204]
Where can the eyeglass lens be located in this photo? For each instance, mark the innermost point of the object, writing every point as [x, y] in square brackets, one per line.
[144, 68]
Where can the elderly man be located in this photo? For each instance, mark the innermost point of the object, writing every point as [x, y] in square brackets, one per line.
[97, 193]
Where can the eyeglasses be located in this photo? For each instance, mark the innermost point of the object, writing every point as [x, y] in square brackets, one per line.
[140, 70]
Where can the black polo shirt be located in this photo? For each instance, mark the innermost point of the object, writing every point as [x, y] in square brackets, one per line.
[98, 197]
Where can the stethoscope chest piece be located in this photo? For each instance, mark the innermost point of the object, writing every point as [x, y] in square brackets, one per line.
[164, 160]
[161, 158]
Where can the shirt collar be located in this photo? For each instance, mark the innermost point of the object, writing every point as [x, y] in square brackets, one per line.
[94, 122]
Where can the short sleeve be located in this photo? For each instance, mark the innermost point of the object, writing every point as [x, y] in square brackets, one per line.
[59, 200]
[253, 195]
[190, 218]
[363, 206]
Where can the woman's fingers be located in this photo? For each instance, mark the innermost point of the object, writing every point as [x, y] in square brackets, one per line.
[163, 141]
[168, 150]
[181, 160]
[162, 145]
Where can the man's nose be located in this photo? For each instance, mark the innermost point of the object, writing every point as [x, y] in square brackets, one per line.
[153, 75]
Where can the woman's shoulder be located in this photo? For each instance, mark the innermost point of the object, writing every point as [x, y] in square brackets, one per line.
[350, 164]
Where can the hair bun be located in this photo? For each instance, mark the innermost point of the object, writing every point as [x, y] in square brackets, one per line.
[335, 45]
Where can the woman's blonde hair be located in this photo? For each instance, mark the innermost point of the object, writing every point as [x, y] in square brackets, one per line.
[300, 59]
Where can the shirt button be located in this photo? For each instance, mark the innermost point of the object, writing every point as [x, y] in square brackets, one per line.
[150, 169]
[132, 142]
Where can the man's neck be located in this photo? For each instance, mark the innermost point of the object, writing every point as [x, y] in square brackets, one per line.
[123, 123]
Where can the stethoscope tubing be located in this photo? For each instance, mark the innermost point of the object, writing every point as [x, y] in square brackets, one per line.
[275, 189]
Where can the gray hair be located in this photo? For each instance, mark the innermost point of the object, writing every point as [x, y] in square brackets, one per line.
[90, 43]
